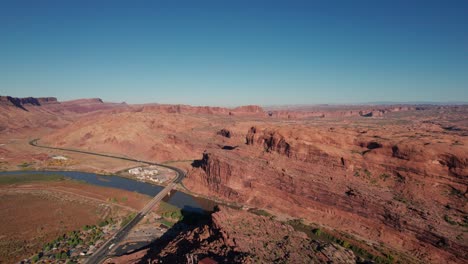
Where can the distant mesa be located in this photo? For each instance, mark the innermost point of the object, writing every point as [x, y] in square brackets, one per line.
[281, 112]
[87, 105]
[249, 110]
[21, 102]
[85, 101]
[48, 104]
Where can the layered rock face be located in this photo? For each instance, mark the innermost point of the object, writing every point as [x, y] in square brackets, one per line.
[400, 191]
[234, 236]
[273, 141]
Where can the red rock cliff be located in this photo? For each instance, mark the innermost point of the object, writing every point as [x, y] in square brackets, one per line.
[348, 181]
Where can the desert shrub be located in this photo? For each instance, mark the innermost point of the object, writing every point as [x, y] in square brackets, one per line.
[259, 212]
[449, 220]
[35, 258]
[384, 176]
[345, 244]
[367, 172]
[456, 192]
[390, 257]
[317, 231]
[103, 223]
[175, 215]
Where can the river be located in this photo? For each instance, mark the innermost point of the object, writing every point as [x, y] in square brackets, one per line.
[176, 198]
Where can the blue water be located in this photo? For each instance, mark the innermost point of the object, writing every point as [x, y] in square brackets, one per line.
[179, 199]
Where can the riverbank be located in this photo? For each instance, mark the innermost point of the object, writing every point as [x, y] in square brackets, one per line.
[35, 212]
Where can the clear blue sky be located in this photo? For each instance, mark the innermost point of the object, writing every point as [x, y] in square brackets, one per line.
[235, 52]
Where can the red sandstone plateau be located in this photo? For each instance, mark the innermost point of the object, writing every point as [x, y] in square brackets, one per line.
[390, 179]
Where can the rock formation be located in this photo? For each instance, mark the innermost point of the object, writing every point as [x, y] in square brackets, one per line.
[224, 132]
[367, 181]
[398, 180]
[234, 236]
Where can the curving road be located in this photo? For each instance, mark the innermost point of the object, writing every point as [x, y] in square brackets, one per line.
[180, 173]
[102, 253]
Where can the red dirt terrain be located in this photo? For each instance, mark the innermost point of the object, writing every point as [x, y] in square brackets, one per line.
[35, 213]
[386, 176]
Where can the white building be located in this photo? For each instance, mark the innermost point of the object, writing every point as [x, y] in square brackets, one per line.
[58, 157]
[144, 171]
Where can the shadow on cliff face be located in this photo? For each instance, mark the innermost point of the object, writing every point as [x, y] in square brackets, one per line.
[197, 163]
[190, 240]
[179, 253]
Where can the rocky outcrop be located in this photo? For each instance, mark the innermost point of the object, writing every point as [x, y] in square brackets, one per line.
[250, 137]
[457, 166]
[225, 133]
[404, 153]
[272, 140]
[235, 236]
[373, 113]
[218, 175]
[370, 145]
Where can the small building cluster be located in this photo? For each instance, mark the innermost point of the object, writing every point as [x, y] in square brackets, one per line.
[59, 157]
[72, 246]
[149, 173]
[144, 171]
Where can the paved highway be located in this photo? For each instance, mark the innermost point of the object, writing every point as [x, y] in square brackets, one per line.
[102, 253]
[180, 173]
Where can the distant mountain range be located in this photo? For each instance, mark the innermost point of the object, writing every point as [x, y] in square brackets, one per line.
[415, 103]
[364, 103]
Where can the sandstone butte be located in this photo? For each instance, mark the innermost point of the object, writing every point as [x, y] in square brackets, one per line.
[394, 176]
